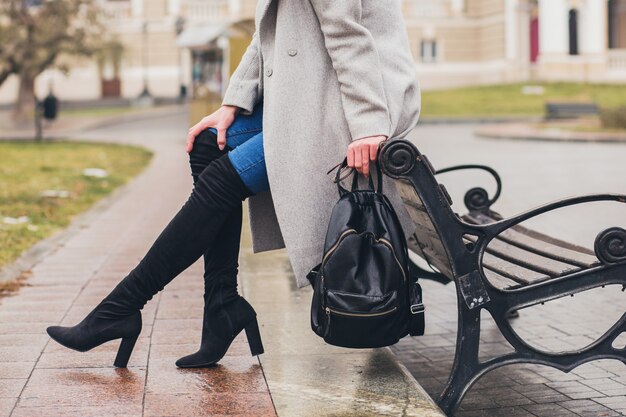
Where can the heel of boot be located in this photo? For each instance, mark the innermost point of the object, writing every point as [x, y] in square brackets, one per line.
[123, 354]
[254, 338]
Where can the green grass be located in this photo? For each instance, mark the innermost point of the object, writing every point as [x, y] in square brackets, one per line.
[507, 99]
[28, 168]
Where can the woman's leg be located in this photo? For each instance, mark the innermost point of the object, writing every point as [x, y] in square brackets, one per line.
[222, 302]
[221, 262]
[218, 191]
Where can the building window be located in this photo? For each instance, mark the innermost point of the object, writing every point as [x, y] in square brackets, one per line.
[428, 51]
[573, 32]
[617, 24]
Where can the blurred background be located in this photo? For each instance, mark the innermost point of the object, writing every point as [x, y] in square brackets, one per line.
[167, 50]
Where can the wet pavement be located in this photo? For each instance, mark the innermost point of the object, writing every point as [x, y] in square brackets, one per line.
[298, 376]
[40, 377]
[533, 173]
[307, 377]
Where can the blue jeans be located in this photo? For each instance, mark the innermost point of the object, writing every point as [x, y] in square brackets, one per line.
[244, 139]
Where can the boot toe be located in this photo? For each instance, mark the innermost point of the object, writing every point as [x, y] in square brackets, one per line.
[59, 335]
[195, 361]
[54, 332]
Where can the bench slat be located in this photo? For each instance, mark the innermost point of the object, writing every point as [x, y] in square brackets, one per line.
[500, 281]
[426, 235]
[432, 248]
[515, 272]
[529, 260]
[526, 259]
[540, 244]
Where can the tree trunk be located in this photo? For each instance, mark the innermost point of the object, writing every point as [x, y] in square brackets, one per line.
[23, 110]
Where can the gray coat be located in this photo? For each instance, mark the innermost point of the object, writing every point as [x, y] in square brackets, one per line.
[328, 72]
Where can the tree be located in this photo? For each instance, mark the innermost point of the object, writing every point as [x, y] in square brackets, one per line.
[34, 34]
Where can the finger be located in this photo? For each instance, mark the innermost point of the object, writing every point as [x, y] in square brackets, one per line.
[373, 152]
[191, 137]
[203, 124]
[358, 159]
[221, 138]
[190, 140]
[365, 153]
[350, 156]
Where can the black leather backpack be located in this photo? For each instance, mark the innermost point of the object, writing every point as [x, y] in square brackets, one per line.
[364, 295]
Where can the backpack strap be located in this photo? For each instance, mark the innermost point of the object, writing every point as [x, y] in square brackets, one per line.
[417, 323]
[355, 178]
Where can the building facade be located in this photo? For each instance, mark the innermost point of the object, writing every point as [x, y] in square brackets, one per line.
[197, 43]
[166, 44]
[464, 42]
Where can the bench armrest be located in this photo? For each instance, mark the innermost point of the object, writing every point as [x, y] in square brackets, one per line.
[492, 230]
[477, 198]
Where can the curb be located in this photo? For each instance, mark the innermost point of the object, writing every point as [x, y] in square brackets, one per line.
[409, 376]
[554, 136]
[434, 120]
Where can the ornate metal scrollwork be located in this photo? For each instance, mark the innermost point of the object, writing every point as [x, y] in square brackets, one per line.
[477, 199]
[398, 158]
[610, 245]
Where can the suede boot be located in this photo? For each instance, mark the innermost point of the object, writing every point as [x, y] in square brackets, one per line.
[190, 234]
[226, 313]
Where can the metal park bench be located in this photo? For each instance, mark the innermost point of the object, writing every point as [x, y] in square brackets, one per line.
[570, 110]
[499, 266]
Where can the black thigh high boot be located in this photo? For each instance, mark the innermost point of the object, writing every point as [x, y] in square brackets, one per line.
[224, 308]
[189, 234]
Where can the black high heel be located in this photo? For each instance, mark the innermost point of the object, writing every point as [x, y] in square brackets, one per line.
[123, 353]
[220, 330]
[98, 328]
[254, 338]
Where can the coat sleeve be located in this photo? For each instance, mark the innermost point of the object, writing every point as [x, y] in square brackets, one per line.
[355, 59]
[245, 87]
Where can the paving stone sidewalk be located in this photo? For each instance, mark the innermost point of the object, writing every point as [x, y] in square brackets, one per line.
[298, 375]
[39, 377]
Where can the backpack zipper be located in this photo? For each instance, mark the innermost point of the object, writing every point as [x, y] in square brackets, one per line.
[388, 244]
[329, 310]
[377, 239]
[341, 313]
[334, 247]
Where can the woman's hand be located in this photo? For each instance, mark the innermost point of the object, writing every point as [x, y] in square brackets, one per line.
[221, 119]
[362, 151]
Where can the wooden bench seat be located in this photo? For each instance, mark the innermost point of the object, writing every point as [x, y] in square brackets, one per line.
[525, 256]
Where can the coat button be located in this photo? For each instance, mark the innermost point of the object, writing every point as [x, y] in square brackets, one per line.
[292, 52]
[268, 72]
